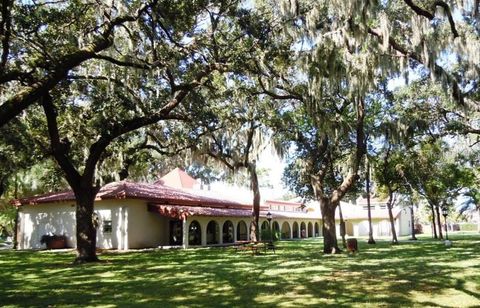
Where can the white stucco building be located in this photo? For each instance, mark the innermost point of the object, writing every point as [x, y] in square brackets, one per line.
[170, 212]
[175, 212]
[356, 218]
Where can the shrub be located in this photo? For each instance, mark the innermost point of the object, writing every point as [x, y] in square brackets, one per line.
[265, 235]
[418, 228]
[53, 241]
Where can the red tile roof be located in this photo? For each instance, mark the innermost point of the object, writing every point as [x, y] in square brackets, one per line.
[180, 212]
[144, 191]
[178, 178]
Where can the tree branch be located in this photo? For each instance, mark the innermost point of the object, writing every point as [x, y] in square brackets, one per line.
[438, 70]
[14, 106]
[5, 31]
[59, 148]
[422, 12]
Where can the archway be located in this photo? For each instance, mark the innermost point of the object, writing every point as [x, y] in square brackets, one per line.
[264, 231]
[295, 230]
[213, 232]
[276, 230]
[242, 231]
[286, 234]
[317, 229]
[227, 231]
[264, 226]
[303, 230]
[310, 229]
[194, 233]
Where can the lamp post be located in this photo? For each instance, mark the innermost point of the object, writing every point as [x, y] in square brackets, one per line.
[269, 218]
[445, 214]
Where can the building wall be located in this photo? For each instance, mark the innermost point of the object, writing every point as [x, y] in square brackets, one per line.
[381, 226]
[37, 220]
[145, 229]
[132, 225]
[404, 223]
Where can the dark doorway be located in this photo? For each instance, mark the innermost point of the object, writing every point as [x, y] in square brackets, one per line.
[176, 232]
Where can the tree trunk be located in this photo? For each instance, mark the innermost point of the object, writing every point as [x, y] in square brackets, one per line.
[15, 230]
[86, 230]
[256, 202]
[330, 244]
[367, 184]
[439, 222]
[434, 228]
[392, 221]
[342, 227]
[15, 224]
[412, 219]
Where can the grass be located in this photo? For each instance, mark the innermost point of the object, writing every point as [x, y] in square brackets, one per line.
[422, 273]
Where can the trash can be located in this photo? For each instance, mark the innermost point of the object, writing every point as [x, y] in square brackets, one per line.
[352, 245]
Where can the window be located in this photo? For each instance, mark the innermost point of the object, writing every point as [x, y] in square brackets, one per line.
[383, 207]
[107, 226]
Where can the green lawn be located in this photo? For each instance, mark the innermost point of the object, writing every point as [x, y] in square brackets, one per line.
[422, 273]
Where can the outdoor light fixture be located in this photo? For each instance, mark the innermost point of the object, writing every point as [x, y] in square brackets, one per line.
[269, 217]
[444, 211]
[445, 214]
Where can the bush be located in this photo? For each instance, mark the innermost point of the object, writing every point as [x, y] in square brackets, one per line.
[265, 235]
[418, 228]
[53, 241]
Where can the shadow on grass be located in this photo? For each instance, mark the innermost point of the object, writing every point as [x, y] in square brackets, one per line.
[412, 273]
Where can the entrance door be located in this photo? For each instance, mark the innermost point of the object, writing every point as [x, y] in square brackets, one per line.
[176, 232]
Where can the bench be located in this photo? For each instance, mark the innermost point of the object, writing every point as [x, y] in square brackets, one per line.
[248, 247]
[269, 246]
[254, 247]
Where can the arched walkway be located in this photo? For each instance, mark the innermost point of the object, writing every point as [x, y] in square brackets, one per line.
[213, 233]
[194, 233]
[296, 233]
[264, 231]
[317, 229]
[242, 232]
[227, 232]
[286, 234]
[310, 229]
[303, 230]
[264, 226]
[276, 230]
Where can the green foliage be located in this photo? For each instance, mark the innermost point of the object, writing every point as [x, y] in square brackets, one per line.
[267, 235]
[7, 219]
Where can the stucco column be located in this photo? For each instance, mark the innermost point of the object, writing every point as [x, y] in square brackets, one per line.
[185, 233]
[235, 225]
[204, 233]
[220, 232]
